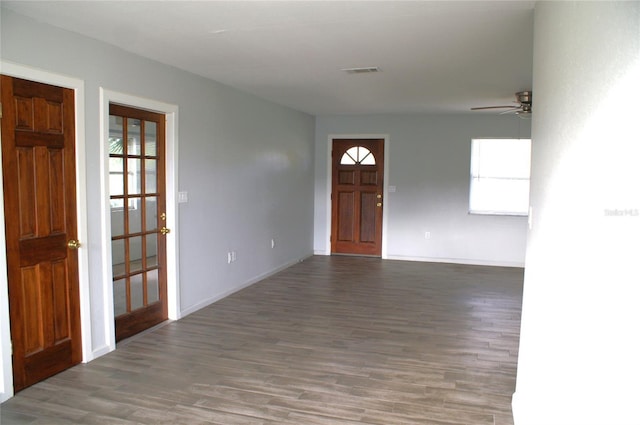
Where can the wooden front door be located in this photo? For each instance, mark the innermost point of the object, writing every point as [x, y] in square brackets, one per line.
[38, 165]
[356, 196]
[137, 198]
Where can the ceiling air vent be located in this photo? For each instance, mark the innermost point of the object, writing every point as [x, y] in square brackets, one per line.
[365, 70]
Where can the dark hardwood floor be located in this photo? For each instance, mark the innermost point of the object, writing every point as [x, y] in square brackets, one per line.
[331, 340]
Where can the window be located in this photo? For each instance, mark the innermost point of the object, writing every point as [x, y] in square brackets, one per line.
[500, 170]
[358, 155]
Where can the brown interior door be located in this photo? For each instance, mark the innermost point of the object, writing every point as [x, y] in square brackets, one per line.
[38, 165]
[356, 196]
[137, 197]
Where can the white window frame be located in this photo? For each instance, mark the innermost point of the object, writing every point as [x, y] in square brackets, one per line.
[499, 186]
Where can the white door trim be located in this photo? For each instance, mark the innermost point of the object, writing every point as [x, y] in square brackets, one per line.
[46, 77]
[385, 189]
[171, 113]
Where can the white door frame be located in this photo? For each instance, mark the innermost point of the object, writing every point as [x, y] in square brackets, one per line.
[385, 189]
[46, 77]
[171, 113]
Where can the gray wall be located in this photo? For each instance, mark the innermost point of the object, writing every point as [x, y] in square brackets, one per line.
[428, 163]
[247, 164]
[579, 351]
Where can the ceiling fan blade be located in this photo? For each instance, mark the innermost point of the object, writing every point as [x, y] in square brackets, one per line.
[511, 111]
[493, 107]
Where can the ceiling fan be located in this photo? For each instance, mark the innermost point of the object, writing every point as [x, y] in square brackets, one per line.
[522, 105]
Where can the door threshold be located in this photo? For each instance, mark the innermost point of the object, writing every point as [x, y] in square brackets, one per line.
[345, 254]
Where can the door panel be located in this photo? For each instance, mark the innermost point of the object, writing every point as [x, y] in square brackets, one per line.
[38, 164]
[345, 216]
[137, 197]
[368, 219]
[357, 184]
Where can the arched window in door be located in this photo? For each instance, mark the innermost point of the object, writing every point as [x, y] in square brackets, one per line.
[358, 155]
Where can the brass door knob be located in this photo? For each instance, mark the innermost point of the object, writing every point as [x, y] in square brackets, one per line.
[73, 244]
[379, 204]
[164, 230]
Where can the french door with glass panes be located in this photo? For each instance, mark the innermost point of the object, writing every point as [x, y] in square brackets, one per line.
[137, 198]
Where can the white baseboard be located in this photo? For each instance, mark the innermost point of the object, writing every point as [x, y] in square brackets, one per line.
[224, 294]
[466, 261]
[5, 396]
[98, 352]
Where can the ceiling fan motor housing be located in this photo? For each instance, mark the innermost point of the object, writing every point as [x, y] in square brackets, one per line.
[524, 97]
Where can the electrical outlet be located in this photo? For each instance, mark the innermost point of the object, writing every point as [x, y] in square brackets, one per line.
[427, 235]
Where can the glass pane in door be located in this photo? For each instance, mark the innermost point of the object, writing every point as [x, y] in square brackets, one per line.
[133, 137]
[117, 257]
[152, 285]
[150, 174]
[152, 251]
[137, 291]
[135, 254]
[150, 141]
[134, 175]
[151, 212]
[120, 297]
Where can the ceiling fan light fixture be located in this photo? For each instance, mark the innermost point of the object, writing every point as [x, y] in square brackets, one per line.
[524, 115]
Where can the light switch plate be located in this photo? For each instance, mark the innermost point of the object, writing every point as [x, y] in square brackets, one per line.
[183, 197]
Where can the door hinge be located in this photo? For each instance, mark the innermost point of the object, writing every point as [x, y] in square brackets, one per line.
[0, 110]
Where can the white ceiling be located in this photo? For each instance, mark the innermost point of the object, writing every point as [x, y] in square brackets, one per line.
[434, 56]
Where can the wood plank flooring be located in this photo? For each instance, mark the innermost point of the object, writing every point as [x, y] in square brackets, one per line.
[331, 340]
